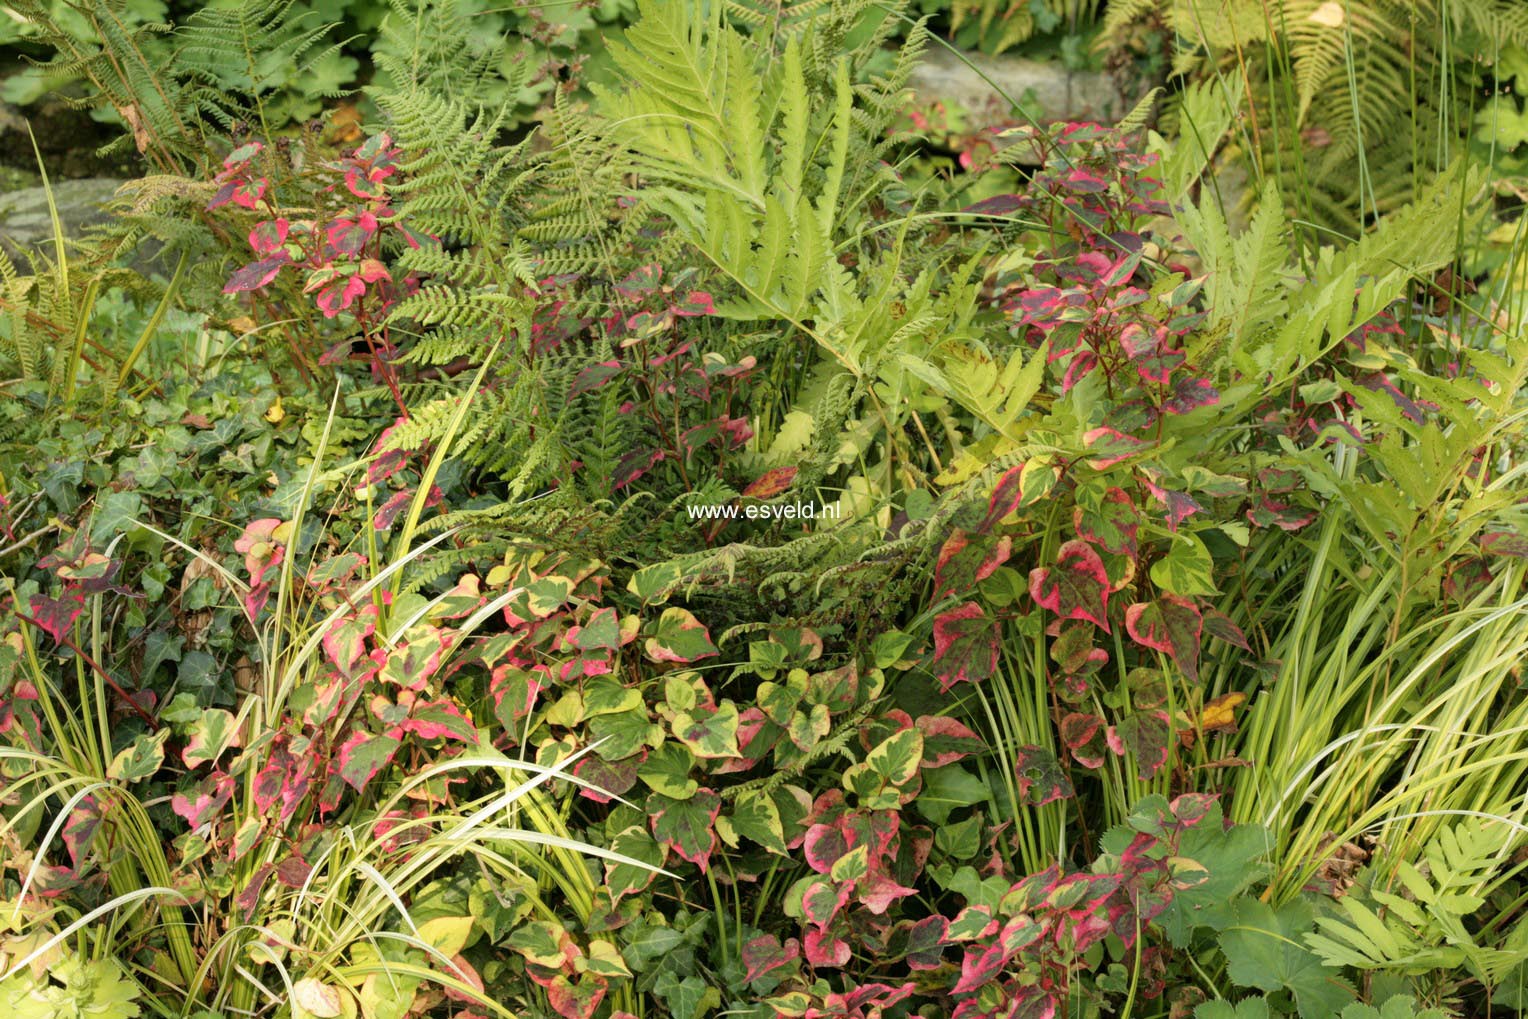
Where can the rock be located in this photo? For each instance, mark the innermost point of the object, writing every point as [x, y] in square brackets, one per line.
[1048, 90]
[24, 219]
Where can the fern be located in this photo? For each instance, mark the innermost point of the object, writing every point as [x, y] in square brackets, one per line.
[1367, 102]
[1420, 926]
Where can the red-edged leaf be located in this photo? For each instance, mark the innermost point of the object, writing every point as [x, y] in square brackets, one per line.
[824, 846]
[1023, 485]
[771, 483]
[1077, 587]
[981, 965]
[339, 294]
[81, 827]
[363, 755]
[248, 193]
[679, 637]
[696, 302]
[946, 740]
[825, 951]
[243, 154]
[1075, 654]
[998, 205]
[57, 615]
[965, 646]
[1218, 625]
[349, 236]
[765, 954]
[1191, 394]
[1041, 778]
[687, 826]
[1171, 625]
[633, 464]
[206, 801]
[963, 564]
[595, 376]
[640, 282]
[256, 274]
[1084, 738]
[1505, 543]
[576, 1000]
[344, 643]
[266, 237]
[1110, 446]
[1143, 735]
[1112, 525]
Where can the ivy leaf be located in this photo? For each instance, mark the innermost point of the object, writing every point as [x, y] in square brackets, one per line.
[965, 646]
[1171, 625]
[689, 998]
[1263, 949]
[1077, 587]
[687, 826]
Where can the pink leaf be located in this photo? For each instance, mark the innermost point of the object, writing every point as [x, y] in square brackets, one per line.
[1077, 587]
[965, 646]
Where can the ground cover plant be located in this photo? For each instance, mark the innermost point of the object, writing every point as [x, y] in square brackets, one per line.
[643, 538]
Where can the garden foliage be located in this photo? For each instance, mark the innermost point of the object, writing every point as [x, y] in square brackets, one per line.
[386, 633]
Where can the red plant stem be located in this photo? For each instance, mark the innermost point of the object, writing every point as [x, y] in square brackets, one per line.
[69, 643]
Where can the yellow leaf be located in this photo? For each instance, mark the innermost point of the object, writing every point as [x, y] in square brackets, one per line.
[1328, 15]
[275, 413]
[241, 325]
[316, 999]
[1220, 713]
[449, 934]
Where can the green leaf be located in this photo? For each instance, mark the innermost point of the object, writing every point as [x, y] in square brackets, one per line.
[709, 734]
[1248, 1008]
[755, 816]
[140, 759]
[667, 771]
[1263, 949]
[211, 734]
[946, 789]
[878, 781]
[625, 878]
[679, 637]
[1187, 569]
